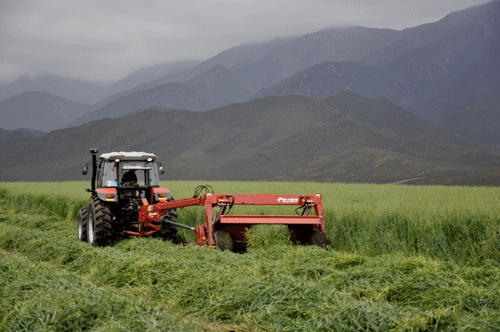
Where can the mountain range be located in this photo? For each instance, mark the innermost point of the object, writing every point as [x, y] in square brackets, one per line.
[39, 110]
[378, 83]
[431, 78]
[432, 70]
[345, 137]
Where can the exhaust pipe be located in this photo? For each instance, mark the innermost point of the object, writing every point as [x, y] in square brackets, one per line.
[94, 167]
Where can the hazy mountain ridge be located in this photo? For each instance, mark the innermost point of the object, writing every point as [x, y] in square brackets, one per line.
[297, 53]
[442, 70]
[241, 56]
[411, 79]
[39, 110]
[323, 80]
[172, 95]
[425, 34]
[213, 88]
[145, 75]
[220, 86]
[80, 91]
[431, 77]
[233, 59]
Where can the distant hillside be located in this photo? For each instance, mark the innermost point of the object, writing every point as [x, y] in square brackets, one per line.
[480, 125]
[274, 138]
[384, 110]
[219, 86]
[334, 45]
[151, 73]
[39, 110]
[323, 80]
[213, 88]
[457, 72]
[425, 34]
[21, 133]
[235, 59]
[69, 88]
[172, 95]
[422, 138]
[88, 92]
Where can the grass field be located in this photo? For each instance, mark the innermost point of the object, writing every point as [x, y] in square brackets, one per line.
[402, 258]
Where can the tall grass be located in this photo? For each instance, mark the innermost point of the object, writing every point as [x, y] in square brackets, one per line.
[451, 223]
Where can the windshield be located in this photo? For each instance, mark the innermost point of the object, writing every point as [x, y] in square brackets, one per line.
[124, 173]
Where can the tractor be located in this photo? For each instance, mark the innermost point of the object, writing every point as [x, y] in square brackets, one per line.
[127, 200]
[120, 181]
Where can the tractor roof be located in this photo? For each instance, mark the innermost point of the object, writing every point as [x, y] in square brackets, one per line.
[122, 155]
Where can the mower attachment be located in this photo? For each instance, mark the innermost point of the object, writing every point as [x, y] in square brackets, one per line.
[304, 228]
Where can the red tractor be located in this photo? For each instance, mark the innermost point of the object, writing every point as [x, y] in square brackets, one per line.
[127, 200]
[119, 183]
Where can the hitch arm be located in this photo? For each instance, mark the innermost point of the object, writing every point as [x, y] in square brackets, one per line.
[164, 219]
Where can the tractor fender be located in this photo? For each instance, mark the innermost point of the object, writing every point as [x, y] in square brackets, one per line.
[160, 195]
[107, 194]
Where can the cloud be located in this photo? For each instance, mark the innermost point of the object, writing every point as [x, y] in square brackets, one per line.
[105, 40]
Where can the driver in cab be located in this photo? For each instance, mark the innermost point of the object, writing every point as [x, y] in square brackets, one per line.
[130, 177]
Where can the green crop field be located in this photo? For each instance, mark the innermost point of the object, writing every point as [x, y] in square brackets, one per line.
[402, 258]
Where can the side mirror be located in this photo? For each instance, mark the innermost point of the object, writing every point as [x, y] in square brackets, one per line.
[162, 171]
[85, 170]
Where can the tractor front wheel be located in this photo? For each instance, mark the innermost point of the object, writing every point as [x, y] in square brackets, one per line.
[100, 229]
[82, 223]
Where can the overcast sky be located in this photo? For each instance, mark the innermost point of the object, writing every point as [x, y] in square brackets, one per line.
[107, 39]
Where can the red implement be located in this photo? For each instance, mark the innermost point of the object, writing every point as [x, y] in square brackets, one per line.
[306, 228]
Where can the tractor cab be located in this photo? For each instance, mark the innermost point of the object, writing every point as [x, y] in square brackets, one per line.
[118, 169]
[128, 175]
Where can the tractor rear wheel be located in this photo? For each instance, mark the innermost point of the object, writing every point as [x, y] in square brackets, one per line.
[318, 238]
[100, 228]
[82, 223]
[223, 240]
[169, 231]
